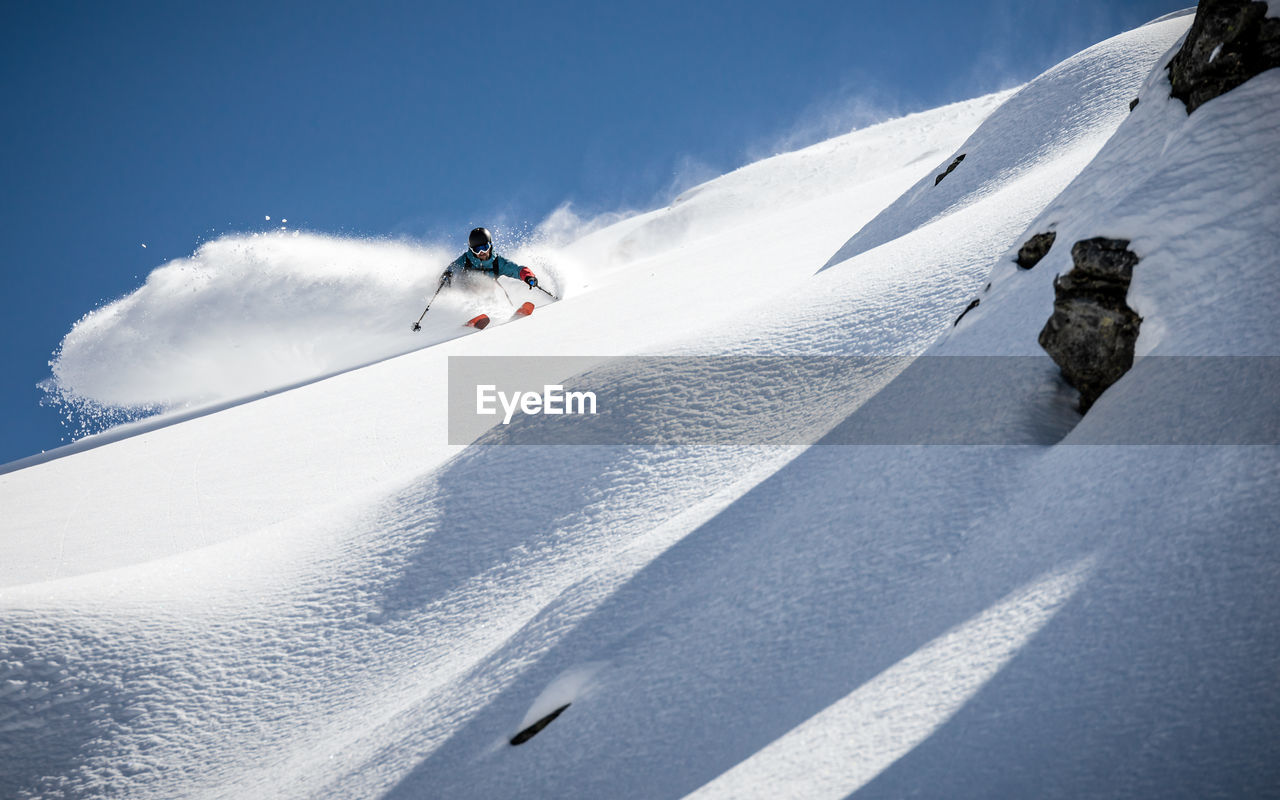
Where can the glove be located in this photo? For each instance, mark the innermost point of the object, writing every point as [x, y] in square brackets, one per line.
[528, 277]
[447, 278]
[417, 327]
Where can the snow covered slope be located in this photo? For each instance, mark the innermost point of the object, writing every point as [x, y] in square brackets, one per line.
[246, 467]
[312, 594]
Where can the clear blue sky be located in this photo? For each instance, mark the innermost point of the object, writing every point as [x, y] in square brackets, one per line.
[170, 124]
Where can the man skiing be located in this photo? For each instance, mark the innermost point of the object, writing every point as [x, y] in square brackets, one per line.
[480, 258]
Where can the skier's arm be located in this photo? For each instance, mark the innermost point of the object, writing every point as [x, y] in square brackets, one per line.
[513, 270]
[457, 266]
[507, 267]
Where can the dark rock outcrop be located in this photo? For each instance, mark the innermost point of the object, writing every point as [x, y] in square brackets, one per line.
[536, 728]
[967, 309]
[1036, 248]
[948, 170]
[1230, 41]
[1092, 332]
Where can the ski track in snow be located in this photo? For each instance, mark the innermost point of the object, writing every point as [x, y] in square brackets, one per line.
[330, 601]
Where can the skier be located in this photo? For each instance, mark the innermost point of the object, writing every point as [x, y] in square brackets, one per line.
[481, 258]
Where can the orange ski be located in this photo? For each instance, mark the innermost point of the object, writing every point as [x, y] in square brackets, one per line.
[478, 323]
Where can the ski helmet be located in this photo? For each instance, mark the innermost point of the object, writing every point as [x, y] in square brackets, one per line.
[480, 239]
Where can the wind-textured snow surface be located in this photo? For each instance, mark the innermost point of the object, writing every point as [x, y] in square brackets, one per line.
[314, 595]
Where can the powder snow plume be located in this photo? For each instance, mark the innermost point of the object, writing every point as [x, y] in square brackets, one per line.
[245, 314]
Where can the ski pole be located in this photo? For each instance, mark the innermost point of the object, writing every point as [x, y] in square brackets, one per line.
[417, 326]
[504, 291]
[539, 288]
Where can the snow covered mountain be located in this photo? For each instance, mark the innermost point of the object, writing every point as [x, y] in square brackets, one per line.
[291, 584]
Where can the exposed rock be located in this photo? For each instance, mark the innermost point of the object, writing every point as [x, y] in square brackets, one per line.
[1092, 332]
[967, 309]
[536, 728]
[1134, 103]
[1036, 248]
[1230, 41]
[947, 172]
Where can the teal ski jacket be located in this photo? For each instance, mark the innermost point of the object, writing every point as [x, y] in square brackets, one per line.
[495, 265]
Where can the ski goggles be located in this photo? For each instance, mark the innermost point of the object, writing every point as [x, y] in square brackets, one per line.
[482, 251]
